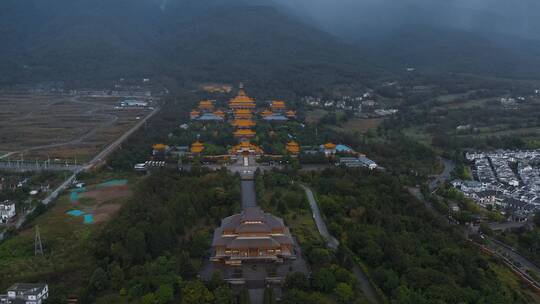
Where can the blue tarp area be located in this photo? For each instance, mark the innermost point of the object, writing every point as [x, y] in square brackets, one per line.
[75, 194]
[88, 219]
[343, 148]
[114, 182]
[75, 212]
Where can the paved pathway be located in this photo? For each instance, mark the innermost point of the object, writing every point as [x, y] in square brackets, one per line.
[248, 194]
[331, 242]
[506, 225]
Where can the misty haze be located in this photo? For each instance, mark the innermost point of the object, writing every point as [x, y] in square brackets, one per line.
[269, 151]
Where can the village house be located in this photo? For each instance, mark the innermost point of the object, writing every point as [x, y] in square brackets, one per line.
[22, 293]
[7, 211]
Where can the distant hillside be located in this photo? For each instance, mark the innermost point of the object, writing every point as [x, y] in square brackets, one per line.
[94, 40]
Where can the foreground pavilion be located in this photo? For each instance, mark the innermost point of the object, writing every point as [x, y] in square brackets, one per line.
[252, 235]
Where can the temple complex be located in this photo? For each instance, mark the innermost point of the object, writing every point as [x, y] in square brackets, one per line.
[206, 112]
[251, 235]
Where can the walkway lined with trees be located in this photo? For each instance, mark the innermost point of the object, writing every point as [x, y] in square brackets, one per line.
[332, 243]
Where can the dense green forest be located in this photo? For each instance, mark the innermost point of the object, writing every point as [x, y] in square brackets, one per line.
[153, 249]
[412, 256]
[331, 280]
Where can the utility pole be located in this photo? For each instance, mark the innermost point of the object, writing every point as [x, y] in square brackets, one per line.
[38, 246]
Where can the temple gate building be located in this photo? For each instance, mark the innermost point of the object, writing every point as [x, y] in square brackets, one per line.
[246, 148]
[244, 133]
[252, 235]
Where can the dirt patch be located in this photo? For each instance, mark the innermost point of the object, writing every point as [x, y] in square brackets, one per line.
[362, 124]
[104, 212]
[104, 202]
[106, 194]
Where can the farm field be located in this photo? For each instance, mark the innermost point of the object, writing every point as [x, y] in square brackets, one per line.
[63, 127]
[362, 125]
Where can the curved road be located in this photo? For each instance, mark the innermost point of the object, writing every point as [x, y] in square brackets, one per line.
[331, 242]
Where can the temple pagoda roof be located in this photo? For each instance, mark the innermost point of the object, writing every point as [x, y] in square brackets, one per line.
[159, 147]
[243, 123]
[219, 113]
[244, 133]
[241, 98]
[240, 227]
[206, 104]
[329, 146]
[266, 113]
[293, 147]
[197, 147]
[278, 104]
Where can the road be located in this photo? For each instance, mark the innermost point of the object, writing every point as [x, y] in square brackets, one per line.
[522, 263]
[110, 148]
[95, 161]
[331, 242]
[444, 176]
[507, 225]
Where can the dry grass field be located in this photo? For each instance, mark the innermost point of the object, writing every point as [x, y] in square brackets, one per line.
[63, 127]
[361, 125]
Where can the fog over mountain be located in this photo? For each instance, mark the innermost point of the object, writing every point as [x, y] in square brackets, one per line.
[354, 17]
